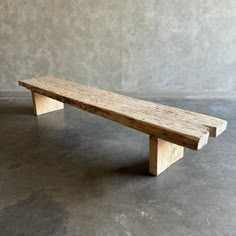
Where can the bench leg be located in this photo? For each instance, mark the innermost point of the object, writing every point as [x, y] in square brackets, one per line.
[43, 104]
[162, 154]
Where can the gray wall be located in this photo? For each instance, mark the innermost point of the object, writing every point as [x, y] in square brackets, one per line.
[123, 45]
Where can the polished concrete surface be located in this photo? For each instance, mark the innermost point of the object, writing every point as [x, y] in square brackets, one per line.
[73, 173]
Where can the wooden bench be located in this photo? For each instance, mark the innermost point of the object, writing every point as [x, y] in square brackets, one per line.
[170, 129]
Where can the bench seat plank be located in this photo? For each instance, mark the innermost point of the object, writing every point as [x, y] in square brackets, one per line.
[177, 126]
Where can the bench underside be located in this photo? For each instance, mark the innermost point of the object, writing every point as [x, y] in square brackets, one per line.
[170, 129]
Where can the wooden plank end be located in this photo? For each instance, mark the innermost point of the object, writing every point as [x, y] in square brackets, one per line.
[203, 140]
[221, 128]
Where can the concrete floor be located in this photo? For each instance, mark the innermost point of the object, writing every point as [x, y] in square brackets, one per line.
[73, 173]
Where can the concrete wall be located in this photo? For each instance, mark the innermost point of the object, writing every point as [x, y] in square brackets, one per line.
[123, 45]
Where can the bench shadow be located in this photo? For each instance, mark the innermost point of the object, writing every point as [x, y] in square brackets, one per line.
[137, 169]
[49, 156]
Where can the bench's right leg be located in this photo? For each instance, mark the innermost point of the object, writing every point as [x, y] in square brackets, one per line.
[162, 154]
[43, 104]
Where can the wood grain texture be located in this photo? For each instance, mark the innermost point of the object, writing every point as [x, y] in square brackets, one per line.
[184, 128]
[162, 154]
[43, 104]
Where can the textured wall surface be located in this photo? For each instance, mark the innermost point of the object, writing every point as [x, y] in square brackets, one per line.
[125, 45]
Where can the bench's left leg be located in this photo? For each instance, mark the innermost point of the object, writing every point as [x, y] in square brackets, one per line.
[162, 154]
[43, 104]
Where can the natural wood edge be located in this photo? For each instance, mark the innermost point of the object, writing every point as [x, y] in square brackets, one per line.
[162, 155]
[216, 131]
